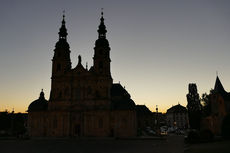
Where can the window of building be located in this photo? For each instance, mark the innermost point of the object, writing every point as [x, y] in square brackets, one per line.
[89, 91]
[100, 52]
[78, 93]
[100, 123]
[124, 122]
[97, 94]
[101, 65]
[55, 122]
[60, 94]
[66, 92]
[58, 67]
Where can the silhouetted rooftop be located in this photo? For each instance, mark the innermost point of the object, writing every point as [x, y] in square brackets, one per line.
[121, 98]
[218, 88]
[177, 109]
[142, 109]
[118, 90]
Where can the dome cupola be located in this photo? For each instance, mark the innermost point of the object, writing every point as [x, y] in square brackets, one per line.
[41, 104]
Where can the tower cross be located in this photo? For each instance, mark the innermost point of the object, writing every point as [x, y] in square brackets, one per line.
[102, 11]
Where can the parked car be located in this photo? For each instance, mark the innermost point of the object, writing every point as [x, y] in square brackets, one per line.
[150, 131]
[163, 133]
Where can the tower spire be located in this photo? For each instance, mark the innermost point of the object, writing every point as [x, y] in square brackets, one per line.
[102, 12]
[63, 31]
[101, 28]
[101, 62]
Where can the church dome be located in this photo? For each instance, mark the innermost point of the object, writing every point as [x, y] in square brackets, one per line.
[102, 42]
[40, 104]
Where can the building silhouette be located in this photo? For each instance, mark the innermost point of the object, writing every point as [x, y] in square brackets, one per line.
[145, 118]
[177, 116]
[12, 124]
[218, 120]
[83, 102]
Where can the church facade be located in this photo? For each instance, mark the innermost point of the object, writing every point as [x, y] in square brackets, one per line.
[83, 102]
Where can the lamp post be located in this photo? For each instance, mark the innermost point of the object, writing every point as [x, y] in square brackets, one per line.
[156, 121]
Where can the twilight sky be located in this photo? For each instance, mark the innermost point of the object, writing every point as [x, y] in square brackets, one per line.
[158, 47]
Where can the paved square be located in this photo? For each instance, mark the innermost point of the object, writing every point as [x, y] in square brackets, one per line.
[173, 144]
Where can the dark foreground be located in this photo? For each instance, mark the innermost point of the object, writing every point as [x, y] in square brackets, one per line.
[172, 144]
[210, 147]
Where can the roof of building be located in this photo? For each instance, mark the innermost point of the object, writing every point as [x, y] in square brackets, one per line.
[177, 109]
[40, 104]
[218, 88]
[142, 109]
[118, 90]
[120, 98]
[123, 104]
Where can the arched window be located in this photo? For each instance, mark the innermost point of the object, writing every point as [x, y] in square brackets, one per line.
[58, 67]
[55, 122]
[101, 65]
[97, 94]
[66, 93]
[78, 93]
[100, 52]
[60, 95]
[124, 122]
[89, 90]
[100, 123]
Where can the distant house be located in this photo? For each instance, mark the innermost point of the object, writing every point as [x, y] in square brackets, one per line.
[12, 124]
[177, 116]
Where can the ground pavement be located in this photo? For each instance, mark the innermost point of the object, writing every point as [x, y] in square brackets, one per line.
[172, 144]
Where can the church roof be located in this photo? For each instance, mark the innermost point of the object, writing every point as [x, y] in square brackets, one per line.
[40, 104]
[118, 90]
[142, 109]
[120, 98]
[123, 104]
[218, 88]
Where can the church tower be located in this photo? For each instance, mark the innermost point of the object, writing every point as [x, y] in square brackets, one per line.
[102, 51]
[61, 59]
[61, 63]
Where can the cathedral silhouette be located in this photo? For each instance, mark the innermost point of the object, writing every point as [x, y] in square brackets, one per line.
[83, 102]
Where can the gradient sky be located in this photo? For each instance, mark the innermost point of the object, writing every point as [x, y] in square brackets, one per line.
[158, 47]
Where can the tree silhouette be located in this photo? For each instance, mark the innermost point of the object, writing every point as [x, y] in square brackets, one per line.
[194, 107]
